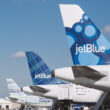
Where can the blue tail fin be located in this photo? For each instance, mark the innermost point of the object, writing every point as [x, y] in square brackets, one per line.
[88, 46]
[40, 72]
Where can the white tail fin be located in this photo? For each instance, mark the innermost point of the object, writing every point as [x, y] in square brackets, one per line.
[88, 46]
[14, 89]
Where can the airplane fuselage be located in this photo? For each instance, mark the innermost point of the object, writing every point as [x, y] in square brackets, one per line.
[33, 101]
[73, 92]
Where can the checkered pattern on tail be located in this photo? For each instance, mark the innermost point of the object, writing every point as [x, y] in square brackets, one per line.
[40, 72]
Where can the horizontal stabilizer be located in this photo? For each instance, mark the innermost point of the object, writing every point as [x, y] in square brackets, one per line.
[85, 71]
[13, 99]
[89, 83]
[38, 89]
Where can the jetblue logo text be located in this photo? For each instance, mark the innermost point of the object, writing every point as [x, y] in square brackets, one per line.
[88, 48]
[42, 75]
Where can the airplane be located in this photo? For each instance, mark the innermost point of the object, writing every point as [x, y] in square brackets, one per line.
[18, 96]
[47, 86]
[89, 54]
[89, 48]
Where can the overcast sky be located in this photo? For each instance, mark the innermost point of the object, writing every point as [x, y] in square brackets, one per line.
[37, 25]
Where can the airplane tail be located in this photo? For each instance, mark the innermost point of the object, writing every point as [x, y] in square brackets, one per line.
[40, 72]
[14, 89]
[88, 46]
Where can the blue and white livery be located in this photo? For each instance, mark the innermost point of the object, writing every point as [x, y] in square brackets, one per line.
[17, 96]
[84, 38]
[89, 48]
[40, 72]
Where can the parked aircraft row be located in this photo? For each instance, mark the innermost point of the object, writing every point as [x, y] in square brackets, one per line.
[84, 82]
[18, 96]
[49, 87]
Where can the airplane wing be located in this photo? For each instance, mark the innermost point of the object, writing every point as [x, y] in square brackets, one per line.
[85, 71]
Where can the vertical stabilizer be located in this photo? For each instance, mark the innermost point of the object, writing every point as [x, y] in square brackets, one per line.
[14, 89]
[40, 72]
[88, 46]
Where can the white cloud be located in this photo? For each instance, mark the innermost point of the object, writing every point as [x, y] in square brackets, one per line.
[106, 29]
[20, 54]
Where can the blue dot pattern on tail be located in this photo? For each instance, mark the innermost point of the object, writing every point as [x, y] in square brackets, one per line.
[85, 35]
